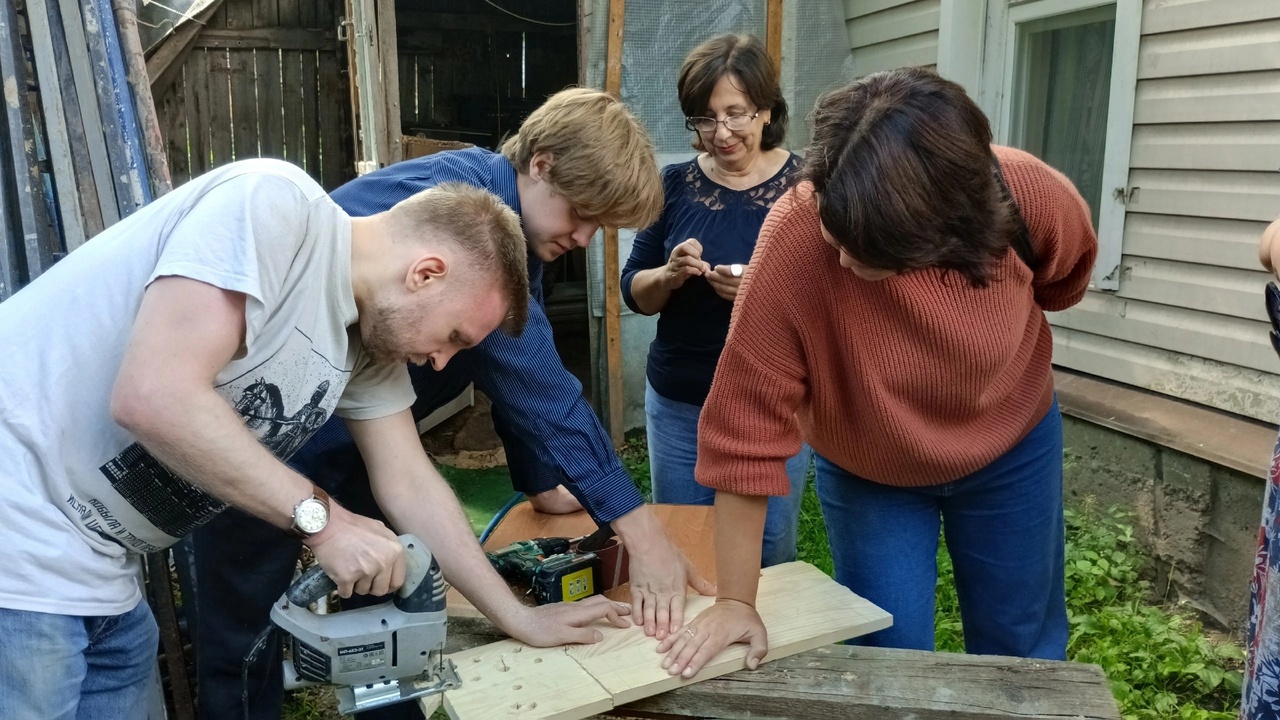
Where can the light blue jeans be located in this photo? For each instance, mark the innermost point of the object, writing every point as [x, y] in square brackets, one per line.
[672, 431]
[70, 667]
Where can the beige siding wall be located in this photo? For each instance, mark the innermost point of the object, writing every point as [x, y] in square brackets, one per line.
[1187, 319]
[892, 33]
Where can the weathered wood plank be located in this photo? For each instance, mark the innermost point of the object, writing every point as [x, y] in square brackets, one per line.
[857, 683]
[389, 86]
[480, 23]
[288, 13]
[244, 107]
[173, 112]
[307, 13]
[168, 59]
[268, 38]
[270, 104]
[195, 100]
[81, 71]
[408, 75]
[311, 111]
[59, 142]
[239, 14]
[336, 163]
[220, 143]
[294, 110]
[426, 89]
[23, 214]
[85, 137]
[266, 14]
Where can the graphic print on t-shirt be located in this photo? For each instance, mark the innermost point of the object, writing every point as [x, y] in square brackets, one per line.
[283, 401]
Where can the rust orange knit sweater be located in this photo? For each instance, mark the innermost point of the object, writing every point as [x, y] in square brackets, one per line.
[918, 379]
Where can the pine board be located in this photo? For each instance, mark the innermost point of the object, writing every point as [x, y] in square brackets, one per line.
[802, 608]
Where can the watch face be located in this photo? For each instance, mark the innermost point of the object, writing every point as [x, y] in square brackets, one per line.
[311, 516]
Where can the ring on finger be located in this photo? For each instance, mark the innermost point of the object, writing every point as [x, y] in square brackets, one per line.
[690, 633]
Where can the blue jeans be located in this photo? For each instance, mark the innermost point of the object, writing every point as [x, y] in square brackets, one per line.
[672, 431]
[60, 667]
[1003, 526]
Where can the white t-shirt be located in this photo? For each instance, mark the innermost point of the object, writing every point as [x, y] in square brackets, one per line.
[79, 497]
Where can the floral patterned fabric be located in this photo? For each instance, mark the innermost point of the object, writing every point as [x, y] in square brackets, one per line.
[1261, 694]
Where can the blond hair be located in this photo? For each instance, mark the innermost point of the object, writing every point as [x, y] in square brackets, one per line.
[484, 228]
[603, 160]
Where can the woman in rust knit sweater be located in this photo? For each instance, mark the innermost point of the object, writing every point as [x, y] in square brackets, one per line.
[893, 318]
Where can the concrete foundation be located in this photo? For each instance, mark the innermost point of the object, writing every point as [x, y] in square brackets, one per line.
[1198, 520]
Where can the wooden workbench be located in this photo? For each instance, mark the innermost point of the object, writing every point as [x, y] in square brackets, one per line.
[857, 683]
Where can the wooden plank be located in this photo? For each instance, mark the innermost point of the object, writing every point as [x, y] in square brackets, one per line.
[220, 143]
[82, 71]
[612, 270]
[289, 13]
[327, 14]
[426, 89]
[1203, 193]
[1239, 97]
[773, 32]
[483, 23]
[407, 73]
[1248, 47]
[195, 98]
[389, 87]
[92, 180]
[266, 14]
[173, 111]
[801, 607]
[307, 13]
[269, 38]
[293, 105]
[691, 528]
[239, 14]
[902, 21]
[336, 164]
[311, 115]
[270, 103]
[1161, 16]
[1207, 146]
[859, 683]
[59, 143]
[244, 104]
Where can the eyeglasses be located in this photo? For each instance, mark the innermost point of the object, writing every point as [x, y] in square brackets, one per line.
[735, 123]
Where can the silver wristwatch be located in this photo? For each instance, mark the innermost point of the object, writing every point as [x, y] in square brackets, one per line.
[311, 515]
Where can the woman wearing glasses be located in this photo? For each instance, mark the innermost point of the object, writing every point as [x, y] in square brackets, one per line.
[895, 321]
[688, 266]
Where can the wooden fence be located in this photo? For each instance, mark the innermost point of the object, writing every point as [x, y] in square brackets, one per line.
[266, 78]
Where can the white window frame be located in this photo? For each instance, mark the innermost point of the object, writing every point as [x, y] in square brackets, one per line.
[976, 48]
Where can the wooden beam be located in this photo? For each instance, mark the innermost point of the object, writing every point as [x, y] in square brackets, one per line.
[82, 76]
[420, 20]
[267, 39]
[167, 60]
[863, 683]
[64, 173]
[612, 266]
[389, 60]
[773, 33]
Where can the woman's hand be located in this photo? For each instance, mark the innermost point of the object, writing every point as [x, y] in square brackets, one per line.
[685, 262]
[1269, 248]
[716, 628]
[725, 280]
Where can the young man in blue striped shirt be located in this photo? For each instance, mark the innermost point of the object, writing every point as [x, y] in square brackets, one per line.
[579, 161]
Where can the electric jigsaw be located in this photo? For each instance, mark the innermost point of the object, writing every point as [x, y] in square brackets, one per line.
[378, 655]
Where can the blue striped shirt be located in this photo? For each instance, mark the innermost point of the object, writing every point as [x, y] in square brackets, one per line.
[550, 433]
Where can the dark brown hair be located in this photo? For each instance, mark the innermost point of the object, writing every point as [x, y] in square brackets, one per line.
[902, 165]
[746, 58]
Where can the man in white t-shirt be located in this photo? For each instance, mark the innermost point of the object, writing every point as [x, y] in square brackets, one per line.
[167, 368]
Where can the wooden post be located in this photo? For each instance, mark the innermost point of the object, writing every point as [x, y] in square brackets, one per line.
[389, 60]
[612, 269]
[773, 33]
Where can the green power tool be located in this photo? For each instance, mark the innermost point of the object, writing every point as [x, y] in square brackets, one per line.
[552, 568]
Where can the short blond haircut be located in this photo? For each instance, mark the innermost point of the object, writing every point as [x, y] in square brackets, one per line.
[484, 228]
[604, 162]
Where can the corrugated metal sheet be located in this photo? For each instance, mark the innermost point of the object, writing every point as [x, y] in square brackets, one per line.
[1188, 319]
[892, 33]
